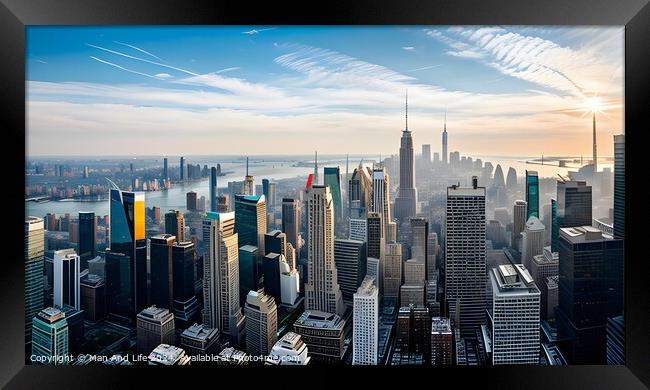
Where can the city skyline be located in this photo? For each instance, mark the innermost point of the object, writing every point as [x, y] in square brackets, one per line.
[526, 85]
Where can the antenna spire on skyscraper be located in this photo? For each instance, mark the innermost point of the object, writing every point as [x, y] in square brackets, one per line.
[445, 119]
[407, 109]
[246, 166]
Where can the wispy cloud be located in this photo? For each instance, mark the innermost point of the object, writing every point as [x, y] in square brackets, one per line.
[424, 68]
[164, 76]
[408, 48]
[227, 69]
[255, 32]
[123, 68]
[139, 49]
[41, 61]
[464, 54]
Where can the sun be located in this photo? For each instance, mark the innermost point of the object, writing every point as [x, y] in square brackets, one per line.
[593, 104]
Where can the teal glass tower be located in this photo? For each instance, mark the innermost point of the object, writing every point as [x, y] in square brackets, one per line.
[34, 266]
[532, 194]
[50, 337]
[333, 180]
[250, 220]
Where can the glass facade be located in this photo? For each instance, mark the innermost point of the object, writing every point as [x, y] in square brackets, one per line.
[250, 220]
[619, 186]
[555, 227]
[248, 275]
[34, 264]
[532, 194]
[333, 180]
[127, 236]
[87, 237]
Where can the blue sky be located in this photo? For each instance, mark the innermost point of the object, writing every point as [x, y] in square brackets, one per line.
[249, 89]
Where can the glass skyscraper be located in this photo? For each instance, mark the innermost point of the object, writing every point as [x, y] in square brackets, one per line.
[532, 194]
[127, 236]
[555, 228]
[573, 207]
[213, 189]
[333, 180]
[619, 186]
[250, 220]
[34, 265]
[50, 336]
[87, 237]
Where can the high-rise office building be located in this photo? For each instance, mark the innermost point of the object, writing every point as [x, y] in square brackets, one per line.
[406, 200]
[213, 189]
[615, 330]
[289, 350]
[250, 220]
[162, 271]
[515, 316]
[511, 179]
[533, 240]
[350, 258]
[291, 221]
[118, 285]
[165, 173]
[322, 290]
[360, 191]
[519, 222]
[573, 206]
[433, 250]
[375, 241]
[619, 186]
[275, 242]
[34, 265]
[324, 335]
[67, 277]
[50, 335]
[87, 237]
[357, 229]
[381, 196]
[182, 172]
[365, 332]
[426, 154]
[261, 323]
[465, 257]
[93, 297]
[413, 333]
[445, 154]
[127, 236]
[590, 291]
[155, 326]
[221, 307]
[419, 234]
[289, 284]
[544, 265]
[392, 270]
[271, 272]
[332, 179]
[532, 194]
[185, 305]
[199, 340]
[191, 201]
[249, 272]
[175, 224]
[441, 342]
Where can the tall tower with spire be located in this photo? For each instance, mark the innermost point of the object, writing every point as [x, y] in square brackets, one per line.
[445, 154]
[249, 183]
[405, 203]
[594, 138]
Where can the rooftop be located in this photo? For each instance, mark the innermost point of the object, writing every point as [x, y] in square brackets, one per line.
[199, 331]
[440, 325]
[166, 354]
[534, 224]
[368, 287]
[319, 319]
[581, 234]
[51, 314]
[511, 280]
[154, 313]
[248, 248]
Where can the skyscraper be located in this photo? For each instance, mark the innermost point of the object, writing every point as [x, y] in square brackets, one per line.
[514, 315]
[249, 274]
[392, 270]
[322, 290]
[49, 336]
[127, 236]
[315, 178]
[532, 194]
[271, 272]
[87, 237]
[406, 201]
[590, 291]
[351, 258]
[360, 191]
[465, 257]
[619, 186]
[365, 333]
[381, 196]
[182, 168]
[441, 342]
[375, 241]
[191, 201]
[533, 240]
[261, 323]
[213, 189]
[426, 154]
[511, 179]
[573, 206]
[519, 222]
[34, 265]
[175, 224]
[291, 219]
[221, 308]
[445, 154]
[250, 220]
[275, 242]
[162, 270]
[155, 326]
[419, 234]
[332, 177]
[165, 173]
[67, 276]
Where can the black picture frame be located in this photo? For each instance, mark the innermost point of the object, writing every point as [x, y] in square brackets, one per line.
[634, 14]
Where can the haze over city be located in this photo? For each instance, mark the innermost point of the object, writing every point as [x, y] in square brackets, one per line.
[517, 91]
